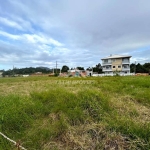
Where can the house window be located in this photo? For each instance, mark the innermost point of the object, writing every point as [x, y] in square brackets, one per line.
[125, 59]
[106, 61]
[125, 66]
[119, 66]
[114, 67]
[113, 60]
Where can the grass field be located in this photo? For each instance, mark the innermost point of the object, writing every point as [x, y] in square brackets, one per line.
[52, 113]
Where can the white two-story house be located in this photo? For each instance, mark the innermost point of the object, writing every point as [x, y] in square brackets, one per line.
[116, 64]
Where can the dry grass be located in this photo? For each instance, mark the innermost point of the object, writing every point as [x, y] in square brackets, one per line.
[109, 113]
[125, 105]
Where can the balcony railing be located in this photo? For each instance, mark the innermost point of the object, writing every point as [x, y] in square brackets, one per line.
[104, 63]
[107, 69]
[128, 68]
[126, 62]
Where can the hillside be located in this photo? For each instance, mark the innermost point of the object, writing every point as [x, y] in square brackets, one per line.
[47, 113]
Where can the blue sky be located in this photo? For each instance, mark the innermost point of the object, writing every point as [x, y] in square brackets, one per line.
[72, 32]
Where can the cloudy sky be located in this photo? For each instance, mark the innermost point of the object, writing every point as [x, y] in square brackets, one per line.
[72, 32]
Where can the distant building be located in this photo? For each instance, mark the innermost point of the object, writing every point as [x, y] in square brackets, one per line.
[1, 74]
[38, 73]
[25, 75]
[116, 64]
[77, 73]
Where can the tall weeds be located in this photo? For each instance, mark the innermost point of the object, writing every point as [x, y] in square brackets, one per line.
[76, 116]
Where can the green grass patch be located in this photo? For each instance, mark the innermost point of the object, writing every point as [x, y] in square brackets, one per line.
[70, 113]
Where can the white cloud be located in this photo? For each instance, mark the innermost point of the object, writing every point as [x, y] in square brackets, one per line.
[10, 23]
[79, 32]
[11, 36]
[32, 38]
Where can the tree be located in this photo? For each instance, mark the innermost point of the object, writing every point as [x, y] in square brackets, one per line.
[147, 67]
[64, 68]
[80, 68]
[140, 68]
[89, 69]
[132, 68]
[97, 68]
[30, 70]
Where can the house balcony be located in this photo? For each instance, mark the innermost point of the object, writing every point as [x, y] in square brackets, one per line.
[125, 62]
[106, 63]
[126, 69]
[108, 69]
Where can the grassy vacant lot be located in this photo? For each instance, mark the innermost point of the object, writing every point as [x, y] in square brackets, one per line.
[47, 113]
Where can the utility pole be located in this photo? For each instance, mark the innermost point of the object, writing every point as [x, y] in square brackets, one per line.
[56, 67]
[135, 68]
[13, 71]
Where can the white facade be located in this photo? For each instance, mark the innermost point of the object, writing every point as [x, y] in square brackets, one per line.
[81, 72]
[1, 74]
[116, 64]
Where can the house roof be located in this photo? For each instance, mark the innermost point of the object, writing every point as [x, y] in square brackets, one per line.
[116, 56]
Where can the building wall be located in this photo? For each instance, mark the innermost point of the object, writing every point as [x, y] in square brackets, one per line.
[1, 74]
[122, 62]
[116, 63]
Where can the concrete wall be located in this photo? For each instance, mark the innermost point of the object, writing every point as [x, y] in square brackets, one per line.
[116, 63]
[1, 74]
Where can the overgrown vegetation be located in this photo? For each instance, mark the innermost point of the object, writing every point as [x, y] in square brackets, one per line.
[30, 70]
[140, 68]
[76, 113]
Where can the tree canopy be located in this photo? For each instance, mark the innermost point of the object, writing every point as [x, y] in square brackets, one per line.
[80, 68]
[138, 68]
[64, 68]
[30, 70]
[97, 68]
